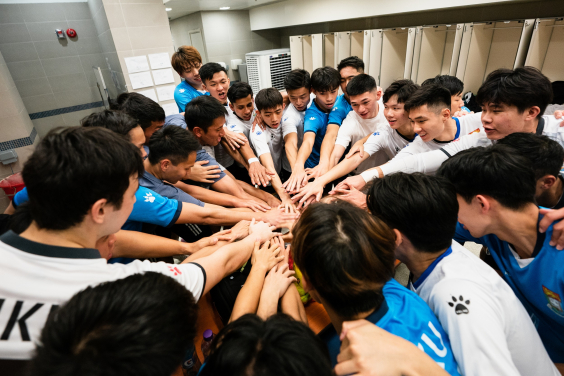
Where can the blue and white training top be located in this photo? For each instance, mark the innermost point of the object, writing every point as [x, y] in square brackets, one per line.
[184, 93]
[340, 110]
[315, 120]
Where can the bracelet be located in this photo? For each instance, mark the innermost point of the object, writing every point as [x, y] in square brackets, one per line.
[252, 160]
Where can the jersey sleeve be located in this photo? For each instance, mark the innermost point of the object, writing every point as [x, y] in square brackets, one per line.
[204, 156]
[20, 197]
[258, 140]
[312, 123]
[338, 113]
[344, 136]
[151, 207]
[475, 324]
[376, 142]
[181, 98]
[289, 125]
[185, 197]
[234, 126]
[462, 235]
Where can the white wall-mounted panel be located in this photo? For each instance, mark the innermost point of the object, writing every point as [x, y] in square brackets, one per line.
[546, 51]
[316, 51]
[329, 55]
[411, 36]
[375, 60]
[296, 50]
[343, 46]
[307, 53]
[394, 48]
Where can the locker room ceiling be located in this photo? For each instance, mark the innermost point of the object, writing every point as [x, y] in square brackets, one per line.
[182, 8]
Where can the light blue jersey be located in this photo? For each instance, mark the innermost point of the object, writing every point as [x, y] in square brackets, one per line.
[315, 120]
[184, 93]
[340, 110]
[538, 282]
[406, 315]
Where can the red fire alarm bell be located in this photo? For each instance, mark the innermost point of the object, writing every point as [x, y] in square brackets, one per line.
[71, 33]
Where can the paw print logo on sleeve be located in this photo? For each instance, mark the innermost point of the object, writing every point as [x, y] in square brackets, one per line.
[460, 305]
[149, 197]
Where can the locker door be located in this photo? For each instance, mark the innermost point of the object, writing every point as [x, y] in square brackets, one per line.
[307, 52]
[316, 51]
[456, 49]
[416, 53]
[409, 52]
[329, 48]
[375, 54]
[343, 46]
[366, 50]
[464, 50]
[296, 51]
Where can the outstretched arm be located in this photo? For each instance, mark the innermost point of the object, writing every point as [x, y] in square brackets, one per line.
[299, 177]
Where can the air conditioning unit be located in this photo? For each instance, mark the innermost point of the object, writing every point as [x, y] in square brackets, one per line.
[268, 68]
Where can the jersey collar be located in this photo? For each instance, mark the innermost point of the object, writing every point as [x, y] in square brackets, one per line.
[375, 316]
[540, 126]
[430, 269]
[405, 138]
[39, 249]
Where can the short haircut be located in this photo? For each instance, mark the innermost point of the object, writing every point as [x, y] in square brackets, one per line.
[423, 208]
[545, 155]
[143, 109]
[346, 254]
[185, 58]
[451, 83]
[278, 346]
[361, 84]
[436, 97]
[404, 89]
[325, 79]
[115, 121]
[202, 111]
[522, 87]
[268, 99]
[173, 143]
[239, 90]
[139, 325]
[209, 69]
[297, 79]
[353, 62]
[83, 164]
[498, 171]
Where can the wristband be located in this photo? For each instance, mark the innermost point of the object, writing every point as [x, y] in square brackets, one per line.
[368, 175]
[253, 160]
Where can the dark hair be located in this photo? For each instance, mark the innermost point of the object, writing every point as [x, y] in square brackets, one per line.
[268, 99]
[423, 208]
[546, 155]
[353, 62]
[404, 89]
[522, 87]
[346, 254]
[278, 346]
[239, 90]
[202, 111]
[143, 109]
[173, 143]
[139, 325]
[209, 69]
[451, 83]
[436, 97]
[296, 79]
[361, 84]
[115, 121]
[82, 164]
[325, 79]
[498, 171]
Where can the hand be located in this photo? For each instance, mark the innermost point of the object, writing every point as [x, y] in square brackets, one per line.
[297, 180]
[240, 231]
[252, 204]
[356, 182]
[272, 201]
[106, 245]
[279, 279]
[557, 238]
[267, 256]
[277, 217]
[261, 231]
[258, 121]
[234, 139]
[259, 174]
[288, 206]
[319, 170]
[204, 174]
[313, 189]
[354, 196]
[559, 115]
[358, 147]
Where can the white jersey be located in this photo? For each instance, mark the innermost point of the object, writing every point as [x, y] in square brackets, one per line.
[37, 278]
[238, 125]
[269, 141]
[490, 331]
[387, 139]
[293, 122]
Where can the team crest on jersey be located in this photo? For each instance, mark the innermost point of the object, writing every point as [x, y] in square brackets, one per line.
[232, 126]
[181, 90]
[461, 305]
[258, 133]
[554, 301]
[149, 197]
[375, 133]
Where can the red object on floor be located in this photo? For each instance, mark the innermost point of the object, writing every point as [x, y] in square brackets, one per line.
[12, 185]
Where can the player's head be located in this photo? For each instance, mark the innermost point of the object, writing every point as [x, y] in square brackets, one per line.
[422, 208]
[364, 96]
[513, 99]
[325, 85]
[346, 256]
[348, 68]
[453, 85]
[173, 152]
[488, 181]
[298, 86]
[546, 157]
[279, 346]
[394, 99]
[205, 116]
[82, 175]
[240, 96]
[187, 61]
[429, 110]
[215, 80]
[139, 325]
[120, 123]
[270, 105]
[147, 112]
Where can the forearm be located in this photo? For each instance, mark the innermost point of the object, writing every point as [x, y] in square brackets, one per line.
[247, 153]
[328, 143]
[268, 304]
[248, 298]
[336, 155]
[206, 251]
[303, 154]
[255, 193]
[208, 196]
[135, 244]
[340, 170]
[292, 305]
[291, 147]
[234, 153]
